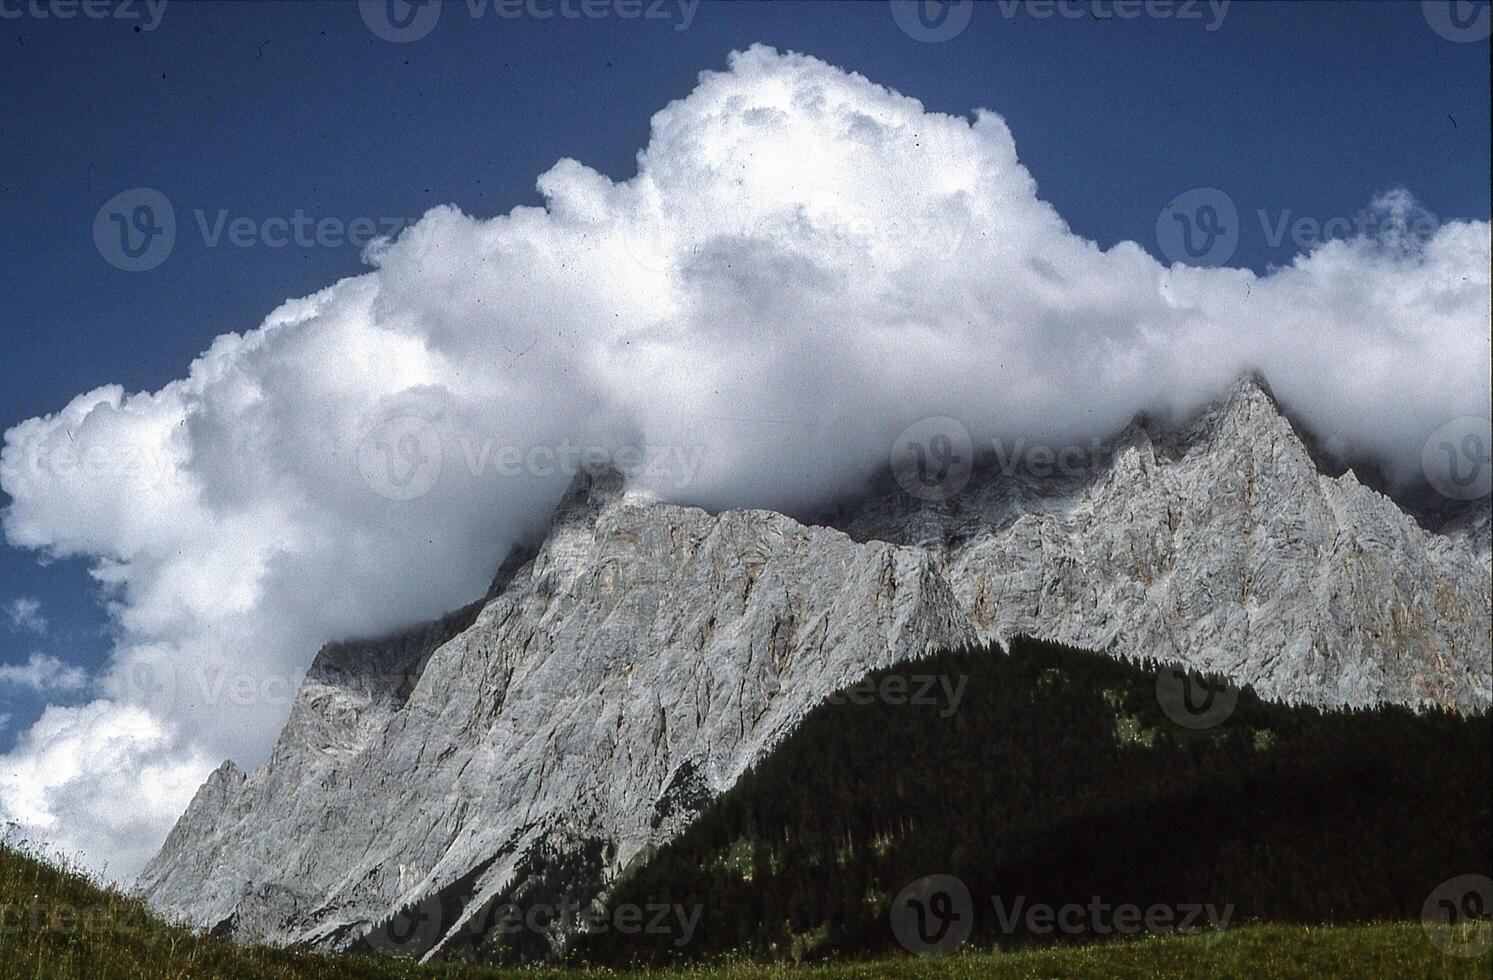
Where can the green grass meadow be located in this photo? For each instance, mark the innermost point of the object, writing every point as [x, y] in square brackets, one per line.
[59, 924]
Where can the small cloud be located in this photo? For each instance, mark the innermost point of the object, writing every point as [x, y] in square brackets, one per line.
[44, 675]
[25, 614]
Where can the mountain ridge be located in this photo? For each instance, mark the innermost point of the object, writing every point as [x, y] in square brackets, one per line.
[571, 634]
[1128, 551]
[648, 652]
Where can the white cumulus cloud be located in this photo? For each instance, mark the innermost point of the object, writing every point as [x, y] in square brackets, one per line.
[804, 264]
[44, 675]
[97, 783]
[25, 614]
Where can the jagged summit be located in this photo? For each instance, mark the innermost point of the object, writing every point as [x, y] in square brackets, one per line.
[1220, 543]
[647, 653]
[1250, 394]
[589, 492]
[1253, 381]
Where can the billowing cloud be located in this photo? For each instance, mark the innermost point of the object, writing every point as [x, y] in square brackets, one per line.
[25, 614]
[97, 783]
[44, 675]
[804, 264]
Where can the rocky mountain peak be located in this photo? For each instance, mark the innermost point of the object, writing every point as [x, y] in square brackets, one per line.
[1253, 385]
[228, 774]
[590, 491]
[646, 654]
[1247, 417]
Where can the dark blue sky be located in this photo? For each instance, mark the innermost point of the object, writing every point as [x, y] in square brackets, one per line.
[254, 110]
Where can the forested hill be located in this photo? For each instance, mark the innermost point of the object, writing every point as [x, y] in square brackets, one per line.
[1047, 775]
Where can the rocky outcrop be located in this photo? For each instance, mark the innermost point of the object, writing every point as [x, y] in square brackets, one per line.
[648, 653]
[1219, 544]
[644, 647]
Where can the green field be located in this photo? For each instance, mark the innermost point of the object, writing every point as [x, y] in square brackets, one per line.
[60, 924]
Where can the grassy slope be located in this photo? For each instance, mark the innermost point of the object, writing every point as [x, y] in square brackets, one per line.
[115, 938]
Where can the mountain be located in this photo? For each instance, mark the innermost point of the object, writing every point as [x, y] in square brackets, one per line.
[647, 654]
[641, 660]
[1220, 544]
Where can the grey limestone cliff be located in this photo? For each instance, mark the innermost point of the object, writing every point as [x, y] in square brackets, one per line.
[648, 653]
[1221, 545]
[646, 650]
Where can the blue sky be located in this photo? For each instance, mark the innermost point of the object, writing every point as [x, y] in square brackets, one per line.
[263, 111]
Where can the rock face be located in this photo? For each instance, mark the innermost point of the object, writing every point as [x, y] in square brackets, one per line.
[644, 657]
[1222, 546]
[649, 653]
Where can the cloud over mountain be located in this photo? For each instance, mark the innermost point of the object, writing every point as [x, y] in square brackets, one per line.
[804, 264]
